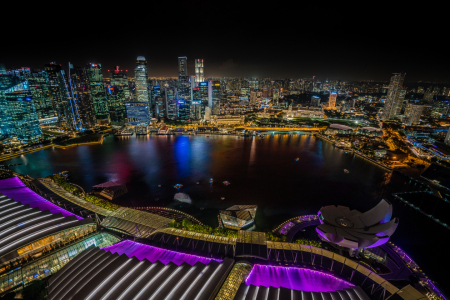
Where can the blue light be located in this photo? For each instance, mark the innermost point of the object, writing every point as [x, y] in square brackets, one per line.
[180, 102]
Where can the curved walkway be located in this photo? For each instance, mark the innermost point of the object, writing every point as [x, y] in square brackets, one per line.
[293, 231]
[72, 198]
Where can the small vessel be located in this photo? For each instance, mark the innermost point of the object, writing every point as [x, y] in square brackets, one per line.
[207, 136]
[211, 180]
[223, 198]
[202, 208]
[226, 182]
[177, 186]
[297, 159]
[157, 199]
[346, 171]
[159, 185]
[198, 182]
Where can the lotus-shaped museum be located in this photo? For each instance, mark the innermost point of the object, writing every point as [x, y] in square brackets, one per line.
[355, 230]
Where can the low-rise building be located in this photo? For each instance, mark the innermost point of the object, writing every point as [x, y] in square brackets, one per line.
[227, 120]
[339, 129]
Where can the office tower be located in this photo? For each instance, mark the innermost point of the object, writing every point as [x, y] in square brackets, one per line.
[315, 101]
[332, 100]
[155, 93]
[160, 104]
[199, 71]
[97, 93]
[118, 94]
[69, 101]
[413, 113]
[214, 97]
[171, 103]
[53, 72]
[440, 109]
[253, 85]
[200, 101]
[18, 116]
[78, 84]
[141, 81]
[39, 88]
[182, 69]
[137, 113]
[394, 98]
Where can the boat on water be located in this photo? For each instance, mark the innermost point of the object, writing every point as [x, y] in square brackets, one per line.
[177, 186]
[346, 171]
[159, 185]
[226, 182]
[211, 180]
[223, 198]
[198, 182]
[297, 159]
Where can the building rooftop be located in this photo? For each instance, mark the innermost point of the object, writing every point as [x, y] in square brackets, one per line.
[341, 127]
[15, 189]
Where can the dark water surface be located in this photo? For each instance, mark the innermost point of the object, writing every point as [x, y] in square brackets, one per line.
[262, 172]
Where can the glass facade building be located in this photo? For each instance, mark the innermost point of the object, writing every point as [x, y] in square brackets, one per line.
[18, 115]
[137, 113]
[52, 262]
[214, 97]
[97, 93]
[118, 95]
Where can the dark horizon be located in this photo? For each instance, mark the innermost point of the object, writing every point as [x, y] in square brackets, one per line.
[327, 41]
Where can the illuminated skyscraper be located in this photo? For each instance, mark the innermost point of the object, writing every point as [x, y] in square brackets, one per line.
[97, 93]
[394, 98]
[332, 100]
[78, 83]
[118, 94]
[38, 83]
[214, 97]
[18, 116]
[53, 72]
[171, 103]
[142, 93]
[182, 69]
[413, 113]
[199, 73]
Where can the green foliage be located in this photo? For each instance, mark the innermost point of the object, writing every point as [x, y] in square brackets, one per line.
[275, 238]
[188, 225]
[62, 182]
[309, 242]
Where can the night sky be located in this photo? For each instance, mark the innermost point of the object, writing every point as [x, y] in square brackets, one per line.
[277, 39]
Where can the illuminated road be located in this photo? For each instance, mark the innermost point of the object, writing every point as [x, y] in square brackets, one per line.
[284, 128]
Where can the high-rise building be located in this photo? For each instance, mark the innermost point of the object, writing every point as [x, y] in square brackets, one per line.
[182, 69]
[315, 101]
[39, 88]
[97, 93]
[18, 117]
[118, 94]
[252, 98]
[69, 101]
[156, 93]
[53, 72]
[199, 71]
[78, 84]
[332, 100]
[413, 113]
[141, 81]
[137, 113]
[214, 97]
[171, 103]
[394, 98]
[200, 101]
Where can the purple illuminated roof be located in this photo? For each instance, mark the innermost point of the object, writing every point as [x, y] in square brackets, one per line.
[295, 278]
[15, 189]
[141, 251]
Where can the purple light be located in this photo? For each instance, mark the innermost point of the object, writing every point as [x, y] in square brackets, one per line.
[295, 278]
[141, 251]
[15, 189]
